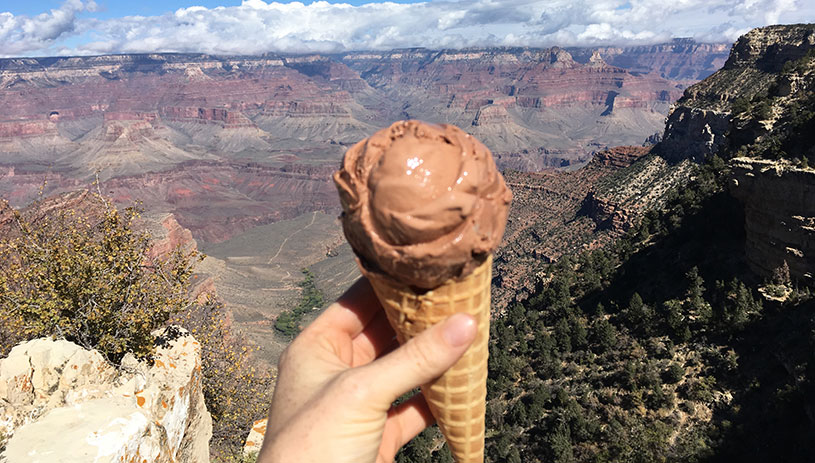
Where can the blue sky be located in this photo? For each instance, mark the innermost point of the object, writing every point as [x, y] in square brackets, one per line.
[235, 27]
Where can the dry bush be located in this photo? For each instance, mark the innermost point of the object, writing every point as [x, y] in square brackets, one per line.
[75, 267]
[86, 276]
[237, 390]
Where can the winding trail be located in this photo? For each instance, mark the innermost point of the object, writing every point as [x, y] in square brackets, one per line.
[313, 218]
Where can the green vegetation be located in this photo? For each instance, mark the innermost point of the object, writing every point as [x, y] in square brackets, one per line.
[86, 274]
[288, 322]
[88, 279]
[800, 65]
[656, 349]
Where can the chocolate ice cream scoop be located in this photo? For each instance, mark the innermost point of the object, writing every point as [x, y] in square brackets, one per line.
[422, 203]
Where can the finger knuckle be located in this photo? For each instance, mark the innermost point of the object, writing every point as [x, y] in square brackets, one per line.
[352, 386]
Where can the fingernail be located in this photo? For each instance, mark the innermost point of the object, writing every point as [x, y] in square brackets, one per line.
[459, 330]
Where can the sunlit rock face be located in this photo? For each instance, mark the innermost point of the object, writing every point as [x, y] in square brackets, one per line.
[61, 401]
[707, 119]
[779, 212]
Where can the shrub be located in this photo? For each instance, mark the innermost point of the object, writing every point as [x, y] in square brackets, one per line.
[674, 373]
[87, 277]
[237, 390]
[740, 105]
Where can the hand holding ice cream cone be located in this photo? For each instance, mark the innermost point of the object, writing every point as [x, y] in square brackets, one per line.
[423, 208]
[338, 379]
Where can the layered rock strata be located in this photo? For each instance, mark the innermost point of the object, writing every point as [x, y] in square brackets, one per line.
[681, 59]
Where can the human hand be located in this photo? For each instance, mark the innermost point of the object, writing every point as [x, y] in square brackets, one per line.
[338, 379]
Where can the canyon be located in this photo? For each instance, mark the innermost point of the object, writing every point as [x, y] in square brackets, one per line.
[240, 150]
[228, 143]
[718, 203]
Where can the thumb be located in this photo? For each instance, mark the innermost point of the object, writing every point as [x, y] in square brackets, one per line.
[420, 360]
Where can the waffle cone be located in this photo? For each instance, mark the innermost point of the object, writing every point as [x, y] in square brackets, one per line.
[457, 399]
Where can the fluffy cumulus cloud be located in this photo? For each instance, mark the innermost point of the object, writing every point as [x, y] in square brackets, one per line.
[257, 26]
[20, 35]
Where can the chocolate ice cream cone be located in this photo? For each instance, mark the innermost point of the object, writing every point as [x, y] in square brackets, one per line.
[457, 399]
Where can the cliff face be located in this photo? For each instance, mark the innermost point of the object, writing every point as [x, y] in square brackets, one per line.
[683, 60]
[560, 213]
[60, 401]
[535, 108]
[694, 133]
[129, 114]
[188, 124]
[779, 208]
[758, 109]
[750, 97]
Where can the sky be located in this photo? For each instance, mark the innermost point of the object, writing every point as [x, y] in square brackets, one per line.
[93, 27]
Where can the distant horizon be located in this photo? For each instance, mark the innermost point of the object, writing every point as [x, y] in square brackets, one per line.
[346, 52]
[52, 28]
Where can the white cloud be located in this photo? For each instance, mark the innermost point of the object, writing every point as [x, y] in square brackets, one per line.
[257, 26]
[20, 35]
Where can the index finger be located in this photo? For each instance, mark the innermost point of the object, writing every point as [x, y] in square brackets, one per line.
[352, 312]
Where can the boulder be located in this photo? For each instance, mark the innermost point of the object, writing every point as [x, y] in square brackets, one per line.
[60, 402]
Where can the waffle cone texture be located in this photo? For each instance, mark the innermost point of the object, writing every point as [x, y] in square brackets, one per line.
[457, 399]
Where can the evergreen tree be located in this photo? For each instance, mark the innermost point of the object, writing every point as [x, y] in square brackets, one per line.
[603, 336]
[562, 335]
[560, 445]
[675, 320]
[579, 333]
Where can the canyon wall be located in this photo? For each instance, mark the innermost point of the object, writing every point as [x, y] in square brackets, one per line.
[757, 110]
[682, 59]
[779, 209]
[721, 113]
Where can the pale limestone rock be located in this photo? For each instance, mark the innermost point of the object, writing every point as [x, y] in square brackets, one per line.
[255, 438]
[62, 403]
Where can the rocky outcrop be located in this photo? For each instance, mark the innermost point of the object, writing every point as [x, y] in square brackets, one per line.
[255, 438]
[779, 209]
[306, 109]
[619, 157]
[549, 217]
[60, 402]
[219, 116]
[167, 235]
[491, 114]
[755, 108]
[693, 133]
[768, 48]
[617, 202]
[743, 101]
[27, 128]
[606, 214]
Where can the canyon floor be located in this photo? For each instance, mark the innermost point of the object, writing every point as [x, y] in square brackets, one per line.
[257, 272]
